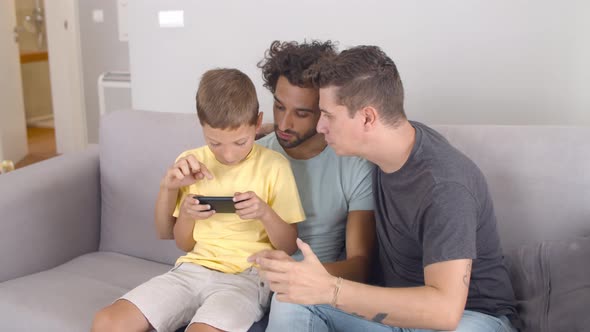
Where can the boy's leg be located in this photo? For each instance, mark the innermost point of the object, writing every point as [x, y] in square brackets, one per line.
[120, 316]
[232, 302]
[200, 327]
[165, 303]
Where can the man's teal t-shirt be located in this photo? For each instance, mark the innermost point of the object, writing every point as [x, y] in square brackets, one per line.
[330, 186]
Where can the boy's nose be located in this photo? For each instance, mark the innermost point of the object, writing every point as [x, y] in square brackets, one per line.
[228, 157]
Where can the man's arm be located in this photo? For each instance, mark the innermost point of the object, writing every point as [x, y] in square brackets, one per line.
[448, 244]
[438, 305]
[264, 129]
[360, 244]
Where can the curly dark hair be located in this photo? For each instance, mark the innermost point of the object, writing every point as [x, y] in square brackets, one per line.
[364, 75]
[291, 59]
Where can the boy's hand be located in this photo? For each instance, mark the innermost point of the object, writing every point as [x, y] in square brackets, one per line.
[191, 209]
[250, 206]
[185, 172]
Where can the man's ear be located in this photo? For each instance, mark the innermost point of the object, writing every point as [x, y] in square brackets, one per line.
[369, 115]
[259, 121]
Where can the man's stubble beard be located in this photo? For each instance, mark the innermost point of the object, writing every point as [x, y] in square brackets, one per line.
[298, 139]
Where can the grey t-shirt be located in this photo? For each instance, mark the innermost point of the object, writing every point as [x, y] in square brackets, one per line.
[437, 208]
[329, 186]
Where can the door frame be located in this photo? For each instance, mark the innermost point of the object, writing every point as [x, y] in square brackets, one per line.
[13, 131]
[65, 66]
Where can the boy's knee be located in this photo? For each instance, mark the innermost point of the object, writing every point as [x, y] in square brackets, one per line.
[118, 317]
[107, 320]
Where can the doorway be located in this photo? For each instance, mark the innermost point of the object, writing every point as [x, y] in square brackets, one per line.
[62, 47]
[36, 85]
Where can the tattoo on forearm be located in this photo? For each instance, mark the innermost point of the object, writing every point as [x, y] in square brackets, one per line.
[379, 317]
[467, 274]
[354, 313]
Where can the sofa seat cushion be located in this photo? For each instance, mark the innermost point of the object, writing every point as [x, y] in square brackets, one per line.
[66, 298]
[569, 299]
[551, 282]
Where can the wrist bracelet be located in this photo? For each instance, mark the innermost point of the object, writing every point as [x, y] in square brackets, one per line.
[336, 291]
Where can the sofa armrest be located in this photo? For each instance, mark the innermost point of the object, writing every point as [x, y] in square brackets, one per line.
[49, 213]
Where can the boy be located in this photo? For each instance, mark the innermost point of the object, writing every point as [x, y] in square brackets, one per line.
[213, 286]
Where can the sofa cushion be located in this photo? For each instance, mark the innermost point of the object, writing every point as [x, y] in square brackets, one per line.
[537, 175]
[67, 297]
[136, 149]
[530, 282]
[552, 284]
[569, 298]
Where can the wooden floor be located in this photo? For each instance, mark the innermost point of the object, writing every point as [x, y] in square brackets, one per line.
[41, 146]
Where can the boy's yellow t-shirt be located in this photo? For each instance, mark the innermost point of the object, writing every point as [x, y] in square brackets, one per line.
[224, 241]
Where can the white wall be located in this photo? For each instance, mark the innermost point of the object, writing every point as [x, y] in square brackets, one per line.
[462, 61]
[101, 51]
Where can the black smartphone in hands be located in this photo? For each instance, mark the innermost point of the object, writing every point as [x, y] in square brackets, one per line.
[221, 204]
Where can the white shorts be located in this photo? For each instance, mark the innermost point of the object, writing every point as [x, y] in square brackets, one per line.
[195, 294]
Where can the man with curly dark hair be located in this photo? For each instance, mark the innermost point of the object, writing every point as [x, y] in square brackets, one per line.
[336, 192]
[283, 67]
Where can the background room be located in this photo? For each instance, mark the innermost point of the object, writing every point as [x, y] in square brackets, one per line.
[462, 62]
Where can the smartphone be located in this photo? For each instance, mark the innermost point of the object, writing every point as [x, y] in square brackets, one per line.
[221, 204]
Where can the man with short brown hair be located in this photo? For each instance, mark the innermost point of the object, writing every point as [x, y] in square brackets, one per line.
[439, 248]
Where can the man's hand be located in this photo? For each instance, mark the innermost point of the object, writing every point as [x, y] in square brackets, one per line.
[190, 209]
[276, 255]
[185, 172]
[265, 129]
[305, 282]
[250, 206]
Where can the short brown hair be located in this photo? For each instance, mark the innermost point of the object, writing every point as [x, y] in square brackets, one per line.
[291, 59]
[226, 99]
[364, 76]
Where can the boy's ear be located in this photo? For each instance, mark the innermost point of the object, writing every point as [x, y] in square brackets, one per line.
[259, 121]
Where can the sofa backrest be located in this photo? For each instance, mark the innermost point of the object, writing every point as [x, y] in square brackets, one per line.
[539, 177]
[136, 149]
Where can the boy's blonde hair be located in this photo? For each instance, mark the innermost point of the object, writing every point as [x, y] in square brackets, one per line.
[226, 99]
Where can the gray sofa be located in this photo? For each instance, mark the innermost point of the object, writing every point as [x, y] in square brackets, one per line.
[77, 231]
